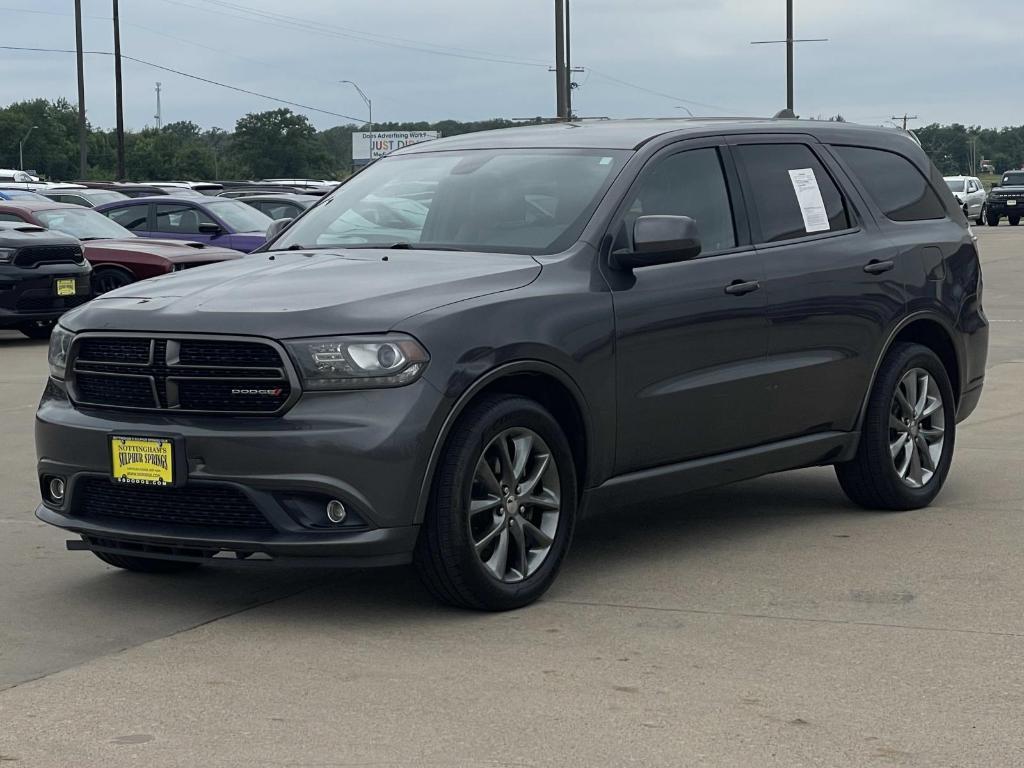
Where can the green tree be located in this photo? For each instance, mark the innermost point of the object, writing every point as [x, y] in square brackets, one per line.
[279, 143]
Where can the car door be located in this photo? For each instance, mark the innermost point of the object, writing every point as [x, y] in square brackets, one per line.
[134, 216]
[975, 197]
[181, 221]
[691, 337]
[834, 285]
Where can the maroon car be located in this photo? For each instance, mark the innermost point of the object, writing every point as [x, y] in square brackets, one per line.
[117, 256]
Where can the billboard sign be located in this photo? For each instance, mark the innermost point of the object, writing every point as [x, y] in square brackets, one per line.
[368, 146]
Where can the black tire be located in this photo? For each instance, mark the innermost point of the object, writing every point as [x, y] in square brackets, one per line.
[1014, 220]
[445, 556]
[981, 217]
[992, 219]
[107, 279]
[39, 329]
[146, 564]
[871, 479]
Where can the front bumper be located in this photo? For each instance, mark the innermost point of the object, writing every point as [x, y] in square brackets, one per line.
[28, 295]
[1001, 208]
[368, 449]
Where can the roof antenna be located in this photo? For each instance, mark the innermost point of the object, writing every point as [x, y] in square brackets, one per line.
[786, 114]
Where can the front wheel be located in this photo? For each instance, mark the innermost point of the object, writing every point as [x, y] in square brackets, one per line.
[992, 219]
[106, 279]
[503, 507]
[906, 441]
[1014, 220]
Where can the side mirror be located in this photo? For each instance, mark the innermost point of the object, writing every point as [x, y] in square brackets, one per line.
[209, 228]
[660, 240]
[277, 227]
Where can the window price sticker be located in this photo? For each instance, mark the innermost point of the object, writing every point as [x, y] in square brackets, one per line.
[808, 197]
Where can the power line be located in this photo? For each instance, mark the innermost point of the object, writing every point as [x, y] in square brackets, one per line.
[603, 76]
[188, 75]
[277, 21]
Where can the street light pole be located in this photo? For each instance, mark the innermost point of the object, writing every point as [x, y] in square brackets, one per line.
[21, 148]
[369, 104]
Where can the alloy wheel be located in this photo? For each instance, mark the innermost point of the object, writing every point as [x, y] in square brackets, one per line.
[916, 427]
[514, 504]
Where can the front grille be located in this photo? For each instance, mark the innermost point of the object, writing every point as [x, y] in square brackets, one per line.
[200, 505]
[34, 255]
[180, 374]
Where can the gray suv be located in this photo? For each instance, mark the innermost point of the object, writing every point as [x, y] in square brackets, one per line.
[476, 341]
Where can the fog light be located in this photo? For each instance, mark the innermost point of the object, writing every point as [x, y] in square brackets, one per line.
[56, 488]
[336, 511]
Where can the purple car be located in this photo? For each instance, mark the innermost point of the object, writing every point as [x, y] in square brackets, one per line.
[217, 221]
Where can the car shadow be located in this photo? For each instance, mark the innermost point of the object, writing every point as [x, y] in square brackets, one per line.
[626, 539]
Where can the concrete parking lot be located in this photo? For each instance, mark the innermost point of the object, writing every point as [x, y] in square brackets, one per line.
[767, 623]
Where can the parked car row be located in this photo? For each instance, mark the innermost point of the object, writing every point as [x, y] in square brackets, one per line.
[55, 256]
[1005, 199]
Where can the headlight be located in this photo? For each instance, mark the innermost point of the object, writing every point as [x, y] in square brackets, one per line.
[349, 362]
[60, 345]
[7, 255]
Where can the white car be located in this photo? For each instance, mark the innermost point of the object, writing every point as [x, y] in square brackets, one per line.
[970, 193]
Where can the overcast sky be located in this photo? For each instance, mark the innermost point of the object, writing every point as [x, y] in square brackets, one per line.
[477, 59]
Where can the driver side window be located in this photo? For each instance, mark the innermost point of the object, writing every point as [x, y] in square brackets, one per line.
[690, 183]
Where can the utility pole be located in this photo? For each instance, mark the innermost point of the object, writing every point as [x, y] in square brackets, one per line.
[790, 41]
[83, 139]
[118, 95]
[21, 148]
[157, 115]
[561, 75]
[905, 118]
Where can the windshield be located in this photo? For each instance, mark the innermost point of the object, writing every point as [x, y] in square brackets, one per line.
[532, 201]
[239, 216]
[955, 186]
[1013, 179]
[101, 196]
[83, 223]
[22, 194]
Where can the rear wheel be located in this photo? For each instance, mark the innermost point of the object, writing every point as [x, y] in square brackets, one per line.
[146, 564]
[107, 279]
[38, 329]
[981, 216]
[906, 443]
[992, 219]
[502, 509]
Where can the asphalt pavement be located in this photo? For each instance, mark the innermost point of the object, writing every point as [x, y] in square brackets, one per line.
[769, 623]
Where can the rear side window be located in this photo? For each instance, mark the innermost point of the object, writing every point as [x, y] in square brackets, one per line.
[783, 179]
[894, 183]
[132, 217]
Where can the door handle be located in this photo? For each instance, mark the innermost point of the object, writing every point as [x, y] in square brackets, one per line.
[741, 287]
[876, 267]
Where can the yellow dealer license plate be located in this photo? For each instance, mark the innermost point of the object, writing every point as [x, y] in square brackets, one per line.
[66, 287]
[142, 460]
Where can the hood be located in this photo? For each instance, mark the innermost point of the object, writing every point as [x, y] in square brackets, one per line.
[172, 250]
[289, 294]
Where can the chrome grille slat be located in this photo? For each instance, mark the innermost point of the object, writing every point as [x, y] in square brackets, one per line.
[183, 374]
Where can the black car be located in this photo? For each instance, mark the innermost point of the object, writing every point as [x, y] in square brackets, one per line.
[280, 206]
[477, 340]
[43, 274]
[1006, 199]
